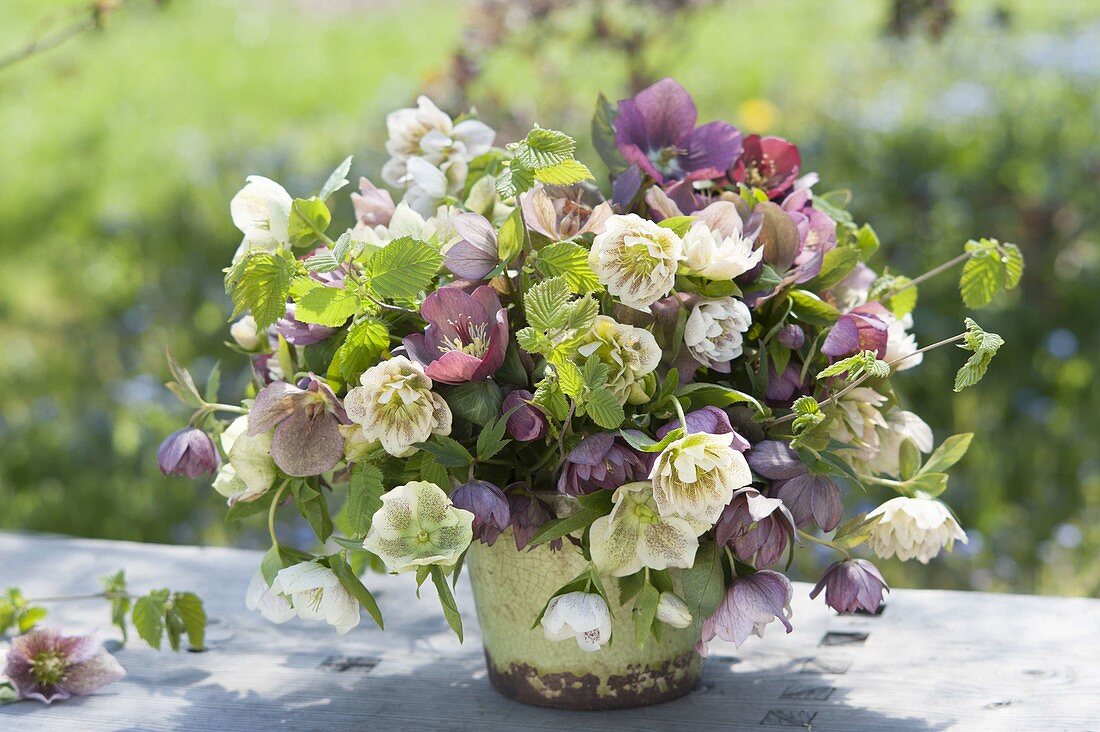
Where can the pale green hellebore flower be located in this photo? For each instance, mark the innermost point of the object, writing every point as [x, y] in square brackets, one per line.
[634, 535]
[418, 526]
[250, 471]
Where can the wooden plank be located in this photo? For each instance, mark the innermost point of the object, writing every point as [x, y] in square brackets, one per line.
[932, 661]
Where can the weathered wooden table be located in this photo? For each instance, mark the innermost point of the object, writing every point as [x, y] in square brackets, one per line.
[932, 661]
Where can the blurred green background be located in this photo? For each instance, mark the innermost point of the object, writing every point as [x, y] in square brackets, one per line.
[946, 121]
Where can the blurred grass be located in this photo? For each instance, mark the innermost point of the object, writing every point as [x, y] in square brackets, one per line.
[122, 149]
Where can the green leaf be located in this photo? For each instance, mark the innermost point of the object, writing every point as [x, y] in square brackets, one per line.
[190, 609]
[260, 283]
[837, 264]
[511, 236]
[447, 601]
[30, 617]
[603, 407]
[645, 443]
[855, 531]
[336, 180]
[645, 612]
[546, 304]
[549, 396]
[948, 453]
[513, 180]
[580, 583]
[364, 497]
[557, 528]
[983, 276]
[933, 484]
[402, 269]
[492, 440]
[630, 586]
[853, 367]
[603, 136]
[570, 261]
[908, 459]
[309, 219]
[715, 395]
[363, 347]
[477, 401]
[148, 617]
[984, 345]
[351, 582]
[809, 308]
[565, 173]
[544, 148]
[704, 583]
[866, 240]
[809, 414]
[329, 306]
[314, 509]
[1014, 265]
[447, 451]
[678, 224]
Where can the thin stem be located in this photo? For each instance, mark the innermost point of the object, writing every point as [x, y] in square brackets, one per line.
[392, 308]
[226, 408]
[680, 414]
[271, 513]
[66, 598]
[565, 427]
[929, 274]
[822, 542]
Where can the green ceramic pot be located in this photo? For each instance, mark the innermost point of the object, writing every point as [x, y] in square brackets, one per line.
[511, 588]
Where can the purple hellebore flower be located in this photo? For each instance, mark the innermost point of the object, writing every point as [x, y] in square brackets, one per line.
[298, 333]
[751, 602]
[307, 419]
[266, 369]
[808, 496]
[770, 163]
[791, 336]
[489, 506]
[527, 423]
[45, 665]
[656, 131]
[527, 515]
[188, 451]
[600, 462]
[756, 527]
[816, 235]
[852, 585]
[710, 420]
[861, 329]
[466, 337]
[373, 206]
[475, 255]
[784, 388]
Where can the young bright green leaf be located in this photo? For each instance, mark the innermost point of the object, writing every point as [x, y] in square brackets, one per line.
[543, 148]
[837, 264]
[511, 236]
[547, 303]
[331, 306]
[260, 283]
[809, 308]
[603, 407]
[402, 269]
[985, 346]
[336, 180]
[148, 617]
[191, 612]
[361, 349]
[570, 261]
[309, 220]
[565, 173]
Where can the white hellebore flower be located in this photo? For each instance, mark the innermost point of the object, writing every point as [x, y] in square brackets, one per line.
[396, 405]
[636, 260]
[316, 594]
[695, 476]
[250, 471]
[901, 344]
[581, 615]
[245, 333]
[914, 527]
[271, 604]
[672, 610]
[858, 424]
[634, 535]
[418, 526]
[708, 254]
[714, 333]
[629, 352]
[900, 426]
[261, 210]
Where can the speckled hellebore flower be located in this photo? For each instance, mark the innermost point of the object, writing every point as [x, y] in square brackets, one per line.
[188, 451]
[901, 425]
[711, 420]
[418, 526]
[261, 210]
[306, 419]
[715, 332]
[563, 213]
[250, 472]
[718, 246]
[466, 338]
[656, 131]
[48, 666]
[527, 423]
[673, 611]
[695, 476]
[316, 594]
[634, 535]
[396, 406]
[851, 585]
[914, 528]
[489, 506]
[809, 497]
[580, 615]
[629, 352]
[636, 259]
[598, 462]
[770, 163]
[756, 527]
[751, 602]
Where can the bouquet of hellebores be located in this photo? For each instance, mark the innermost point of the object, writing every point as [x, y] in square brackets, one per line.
[673, 367]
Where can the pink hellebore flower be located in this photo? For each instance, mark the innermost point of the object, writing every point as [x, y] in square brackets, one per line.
[852, 585]
[527, 423]
[861, 329]
[808, 496]
[188, 451]
[489, 506]
[751, 602]
[45, 665]
[756, 527]
[466, 337]
[770, 163]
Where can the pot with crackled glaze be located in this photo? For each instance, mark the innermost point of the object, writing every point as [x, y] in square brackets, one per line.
[511, 588]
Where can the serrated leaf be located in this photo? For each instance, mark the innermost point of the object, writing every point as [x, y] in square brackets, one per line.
[491, 440]
[447, 601]
[148, 617]
[983, 276]
[603, 407]
[543, 148]
[984, 345]
[260, 283]
[364, 497]
[189, 608]
[330, 306]
[570, 379]
[581, 314]
[336, 180]
[402, 269]
[565, 173]
[362, 348]
[322, 262]
[546, 304]
[1014, 265]
[309, 220]
[570, 261]
[630, 586]
[351, 582]
[549, 396]
[514, 180]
